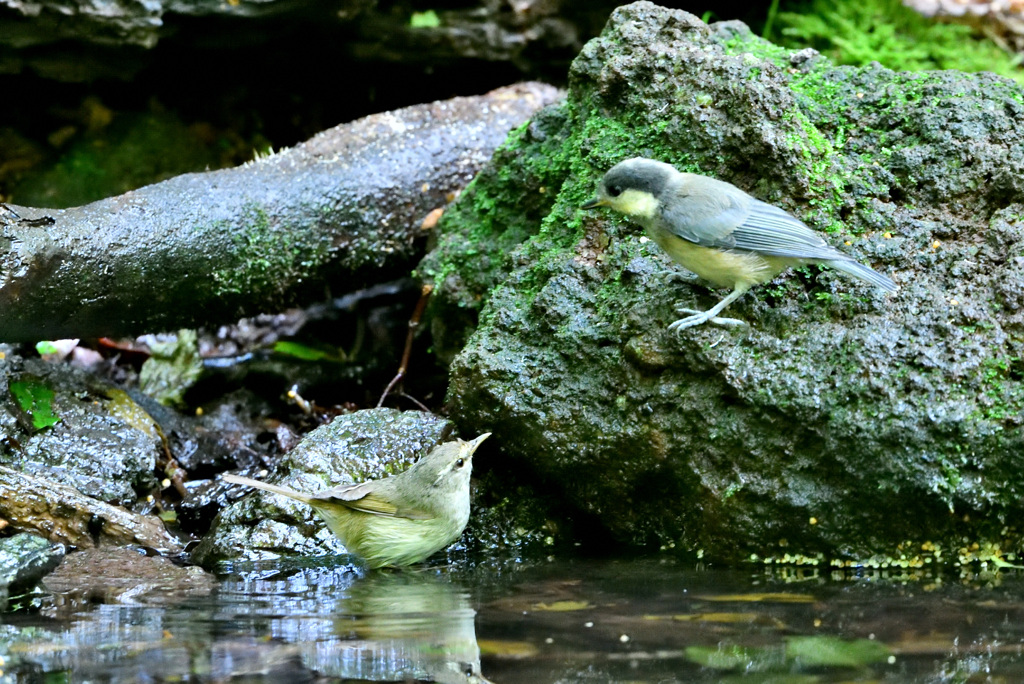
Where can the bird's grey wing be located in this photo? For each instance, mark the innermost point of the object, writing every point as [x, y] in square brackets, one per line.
[729, 218]
[362, 497]
[707, 219]
[769, 230]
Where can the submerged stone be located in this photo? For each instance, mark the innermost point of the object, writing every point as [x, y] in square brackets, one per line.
[24, 560]
[111, 574]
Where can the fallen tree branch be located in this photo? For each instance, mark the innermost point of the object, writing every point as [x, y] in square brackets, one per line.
[341, 210]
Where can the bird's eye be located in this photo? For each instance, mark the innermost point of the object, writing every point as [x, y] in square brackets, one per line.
[614, 190]
[460, 463]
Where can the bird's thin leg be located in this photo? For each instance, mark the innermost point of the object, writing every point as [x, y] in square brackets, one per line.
[711, 315]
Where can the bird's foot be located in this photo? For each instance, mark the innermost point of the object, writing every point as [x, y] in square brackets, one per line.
[701, 317]
[674, 275]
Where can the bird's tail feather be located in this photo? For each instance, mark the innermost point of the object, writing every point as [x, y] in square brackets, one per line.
[859, 270]
[283, 491]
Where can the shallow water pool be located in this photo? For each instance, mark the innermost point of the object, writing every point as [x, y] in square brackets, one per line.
[510, 622]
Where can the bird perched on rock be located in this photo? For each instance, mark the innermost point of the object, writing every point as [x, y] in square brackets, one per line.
[718, 231]
[398, 520]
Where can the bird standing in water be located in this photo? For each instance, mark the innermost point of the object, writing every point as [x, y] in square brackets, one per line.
[397, 520]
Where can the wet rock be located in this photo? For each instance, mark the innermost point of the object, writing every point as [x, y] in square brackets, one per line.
[24, 560]
[135, 24]
[99, 440]
[366, 445]
[45, 36]
[512, 520]
[227, 434]
[531, 34]
[802, 433]
[124, 575]
[340, 209]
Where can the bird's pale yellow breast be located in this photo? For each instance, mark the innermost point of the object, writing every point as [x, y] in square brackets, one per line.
[719, 267]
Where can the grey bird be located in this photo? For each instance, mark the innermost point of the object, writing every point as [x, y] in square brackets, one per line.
[719, 232]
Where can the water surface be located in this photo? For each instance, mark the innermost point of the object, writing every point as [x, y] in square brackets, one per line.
[510, 622]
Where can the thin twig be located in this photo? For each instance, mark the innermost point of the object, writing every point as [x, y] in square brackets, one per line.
[415, 401]
[414, 323]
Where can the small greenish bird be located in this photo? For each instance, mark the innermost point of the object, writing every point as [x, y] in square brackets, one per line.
[398, 520]
[718, 231]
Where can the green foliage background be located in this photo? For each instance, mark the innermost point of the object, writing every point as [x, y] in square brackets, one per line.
[858, 33]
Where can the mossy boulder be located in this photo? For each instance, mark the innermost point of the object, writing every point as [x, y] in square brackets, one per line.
[842, 423]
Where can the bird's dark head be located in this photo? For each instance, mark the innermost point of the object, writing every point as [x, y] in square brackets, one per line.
[633, 187]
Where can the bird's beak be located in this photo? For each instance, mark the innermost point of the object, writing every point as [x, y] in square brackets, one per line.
[594, 203]
[476, 442]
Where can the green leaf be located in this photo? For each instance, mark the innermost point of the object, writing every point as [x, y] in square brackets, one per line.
[306, 352]
[45, 348]
[36, 399]
[175, 365]
[816, 651]
[428, 19]
[731, 657]
[303, 352]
